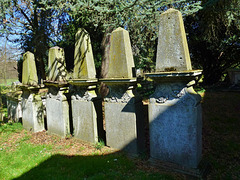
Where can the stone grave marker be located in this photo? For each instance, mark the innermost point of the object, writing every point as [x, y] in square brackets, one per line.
[86, 106]
[123, 111]
[174, 111]
[57, 107]
[32, 106]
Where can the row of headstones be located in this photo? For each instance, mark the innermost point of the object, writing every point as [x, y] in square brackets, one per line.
[174, 109]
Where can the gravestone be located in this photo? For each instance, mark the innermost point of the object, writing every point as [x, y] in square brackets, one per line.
[86, 106]
[174, 110]
[123, 111]
[32, 106]
[57, 107]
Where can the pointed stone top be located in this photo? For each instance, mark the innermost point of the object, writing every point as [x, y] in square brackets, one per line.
[56, 64]
[119, 29]
[121, 62]
[172, 50]
[84, 67]
[171, 10]
[29, 71]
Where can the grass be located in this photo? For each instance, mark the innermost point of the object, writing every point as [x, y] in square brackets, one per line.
[23, 156]
[221, 133]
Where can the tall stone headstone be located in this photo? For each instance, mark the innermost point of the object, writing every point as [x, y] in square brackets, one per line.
[56, 65]
[57, 107]
[172, 50]
[121, 62]
[84, 67]
[29, 72]
[32, 106]
[124, 126]
[86, 106]
[174, 110]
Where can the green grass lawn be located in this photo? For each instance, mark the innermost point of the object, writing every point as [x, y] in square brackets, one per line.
[21, 158]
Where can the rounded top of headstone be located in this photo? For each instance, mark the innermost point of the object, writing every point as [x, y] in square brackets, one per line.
[55, 47]
[119, 29]
[171, 10]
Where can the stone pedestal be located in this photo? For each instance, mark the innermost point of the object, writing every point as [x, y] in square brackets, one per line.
[86, 111]
[32, 109]
[14, 105]
[123, 117]
[175, 128]
[57, 109]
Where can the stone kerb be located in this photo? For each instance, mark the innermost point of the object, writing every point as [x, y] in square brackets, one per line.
[57, 107]
[86, 106]
[32, 105]
[124, 126]
[175, 128]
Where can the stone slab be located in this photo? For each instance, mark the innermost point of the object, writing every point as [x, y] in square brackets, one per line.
[57, 109]
[87, 120]
[123, 126]
[176, 126]
[172, 49]
[32, 112]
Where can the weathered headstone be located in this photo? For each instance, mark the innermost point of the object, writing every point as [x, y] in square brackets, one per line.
[57, 107]
[29, 72]
[32, 106]
[174, 110]
[56, 65]
[84, 67]
[173, 53]
[86, 106]
[124, 126]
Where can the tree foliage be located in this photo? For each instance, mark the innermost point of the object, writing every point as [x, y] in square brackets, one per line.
[214, 38]
[43, 23]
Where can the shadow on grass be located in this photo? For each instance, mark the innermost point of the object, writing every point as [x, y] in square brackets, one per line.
[112, 166]
[221, 132]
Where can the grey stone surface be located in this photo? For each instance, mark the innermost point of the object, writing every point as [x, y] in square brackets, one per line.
[32, 109]
[29, 71]
[175, 125]
[121, 127]
[84, 67]
[124, 120]
[14, 107]
[57, 109]
[172, 50]
[56, 65]
[87, 121]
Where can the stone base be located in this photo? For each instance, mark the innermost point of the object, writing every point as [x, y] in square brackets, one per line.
[32, 112]
[175, 128]
[124, 126]
[57, 109]
[87, 120]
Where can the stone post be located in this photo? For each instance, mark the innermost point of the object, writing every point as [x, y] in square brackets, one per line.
[32, 106]
[57, 107]
[123, 111]
[174, 110]
[86, 106]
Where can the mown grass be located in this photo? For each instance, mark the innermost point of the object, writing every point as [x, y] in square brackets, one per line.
[21, 159]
